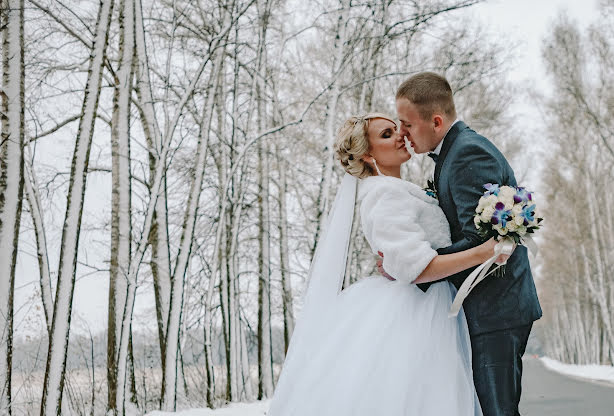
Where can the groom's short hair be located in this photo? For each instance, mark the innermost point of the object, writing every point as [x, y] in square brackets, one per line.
[430, 93]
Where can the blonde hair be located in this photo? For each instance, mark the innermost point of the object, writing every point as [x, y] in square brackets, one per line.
[353, 142]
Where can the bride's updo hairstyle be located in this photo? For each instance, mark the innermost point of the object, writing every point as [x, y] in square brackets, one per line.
[353, 143]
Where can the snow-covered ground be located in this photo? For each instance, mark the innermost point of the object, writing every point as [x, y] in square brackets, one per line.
[591, 372]
[233, 409]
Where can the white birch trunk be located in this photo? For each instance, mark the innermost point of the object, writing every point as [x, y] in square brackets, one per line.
[578, 326]
[207, 338]
[598, 290]
[159, 238]
[234, 330]
[36, 211]
[174, 320]
[331, 119]
[58, 343]
[225, 301]
[265, 360]
[11, 180]
[121, 289]
[239, 359]
[286, 283]
[245, 373]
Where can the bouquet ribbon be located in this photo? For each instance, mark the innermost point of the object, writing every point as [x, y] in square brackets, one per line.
[505, 246]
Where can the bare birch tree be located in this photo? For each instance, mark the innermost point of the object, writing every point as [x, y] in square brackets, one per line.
[120, 288]
[11, 180]
[578, 287]
[58, 342]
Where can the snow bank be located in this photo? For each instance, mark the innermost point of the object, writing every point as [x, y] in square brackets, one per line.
[592, 372]
[233, 409]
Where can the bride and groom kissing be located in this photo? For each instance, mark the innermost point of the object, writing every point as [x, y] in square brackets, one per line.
[386, 346]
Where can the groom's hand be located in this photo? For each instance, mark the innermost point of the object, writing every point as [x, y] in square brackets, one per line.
[380, 267]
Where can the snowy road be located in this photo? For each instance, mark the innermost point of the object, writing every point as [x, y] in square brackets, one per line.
[547, 393]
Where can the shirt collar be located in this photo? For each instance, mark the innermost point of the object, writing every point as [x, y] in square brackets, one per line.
[440, 145]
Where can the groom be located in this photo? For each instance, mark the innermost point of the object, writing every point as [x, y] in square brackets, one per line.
[500, 311]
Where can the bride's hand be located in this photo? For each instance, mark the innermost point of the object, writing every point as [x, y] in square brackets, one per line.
[380, 267]
[488, 250]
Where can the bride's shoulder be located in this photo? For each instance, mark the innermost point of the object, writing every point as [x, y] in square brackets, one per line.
[374, 186]
[379, 184]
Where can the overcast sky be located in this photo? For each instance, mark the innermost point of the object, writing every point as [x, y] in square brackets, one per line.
[528, 22]
[523, 22]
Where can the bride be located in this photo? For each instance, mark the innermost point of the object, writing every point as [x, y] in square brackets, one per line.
[381, 346]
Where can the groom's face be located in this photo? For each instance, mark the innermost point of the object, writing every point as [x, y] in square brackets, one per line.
[424, 135]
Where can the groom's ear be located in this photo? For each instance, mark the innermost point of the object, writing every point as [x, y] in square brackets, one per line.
[437, 121]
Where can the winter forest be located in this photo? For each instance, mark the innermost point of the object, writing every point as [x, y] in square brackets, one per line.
[177, 155]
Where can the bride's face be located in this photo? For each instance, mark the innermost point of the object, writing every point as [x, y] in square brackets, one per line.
[386, 145]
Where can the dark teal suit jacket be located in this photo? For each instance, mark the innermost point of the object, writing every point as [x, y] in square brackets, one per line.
[466, 162]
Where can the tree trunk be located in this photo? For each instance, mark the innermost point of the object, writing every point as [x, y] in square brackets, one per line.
[158, 237]
[265, 360]
[331, 118]
[58, 342]
[169, 386]
[286, 283]
[121, 218]
[11, 180]
[36, 211]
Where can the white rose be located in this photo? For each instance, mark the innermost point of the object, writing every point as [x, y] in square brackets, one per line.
[516, 209]
[522, 230]
[506, 195]
[507, 192]
[482, 203]
[486, 215]
[511, 226]
[518, 220]
[492, 200]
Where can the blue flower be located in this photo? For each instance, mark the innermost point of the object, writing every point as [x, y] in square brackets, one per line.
[501, 215]
[522, 195]
[491, 189]
[528, 213]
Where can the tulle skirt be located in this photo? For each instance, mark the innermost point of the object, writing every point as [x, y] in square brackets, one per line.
[386, 348]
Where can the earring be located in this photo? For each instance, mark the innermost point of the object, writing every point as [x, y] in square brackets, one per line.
[376, 168]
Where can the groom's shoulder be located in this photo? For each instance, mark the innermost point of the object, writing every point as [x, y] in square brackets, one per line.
[470, 141]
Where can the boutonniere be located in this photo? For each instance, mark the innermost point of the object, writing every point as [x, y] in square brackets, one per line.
[430, 189]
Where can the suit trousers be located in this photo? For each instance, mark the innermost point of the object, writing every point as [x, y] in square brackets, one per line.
[497, 369]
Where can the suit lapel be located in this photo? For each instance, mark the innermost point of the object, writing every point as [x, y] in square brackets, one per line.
[447, 144]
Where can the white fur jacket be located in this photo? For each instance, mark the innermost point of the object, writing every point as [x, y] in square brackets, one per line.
[399, 219]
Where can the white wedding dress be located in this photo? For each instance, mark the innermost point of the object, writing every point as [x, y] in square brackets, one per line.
[381, 347]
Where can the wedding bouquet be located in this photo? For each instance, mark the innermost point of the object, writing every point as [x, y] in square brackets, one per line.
[506, 212]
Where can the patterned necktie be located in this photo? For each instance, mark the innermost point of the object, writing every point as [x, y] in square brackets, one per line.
[433, 156]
